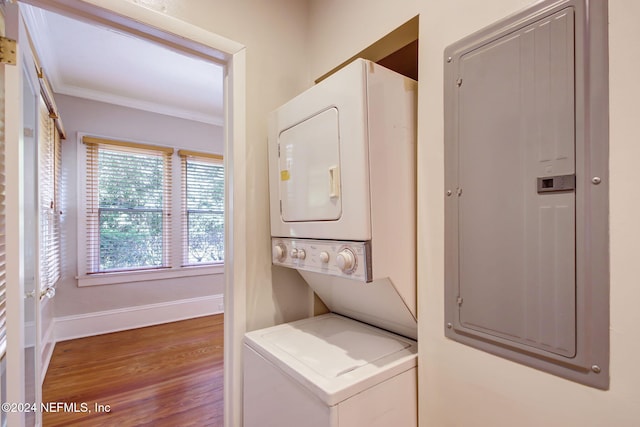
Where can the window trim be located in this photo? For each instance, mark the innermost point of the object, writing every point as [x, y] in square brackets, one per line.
[117, 277]
[175, 270]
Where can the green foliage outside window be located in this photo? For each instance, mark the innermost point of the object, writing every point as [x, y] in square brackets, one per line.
[134, 223]
[130, 192]
[205, 211]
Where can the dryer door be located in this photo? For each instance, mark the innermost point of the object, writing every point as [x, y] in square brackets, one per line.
[310, 187]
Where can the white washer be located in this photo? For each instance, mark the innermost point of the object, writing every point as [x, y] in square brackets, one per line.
[329, 370]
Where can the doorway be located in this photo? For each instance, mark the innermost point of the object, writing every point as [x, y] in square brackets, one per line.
[140, 22]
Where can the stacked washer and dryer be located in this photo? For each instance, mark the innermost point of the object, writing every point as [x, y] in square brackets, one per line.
[343, 213]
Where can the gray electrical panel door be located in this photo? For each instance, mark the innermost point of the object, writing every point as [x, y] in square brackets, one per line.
[526, 189]
[516, 126]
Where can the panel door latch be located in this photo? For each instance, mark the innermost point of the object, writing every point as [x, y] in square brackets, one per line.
[551, 184]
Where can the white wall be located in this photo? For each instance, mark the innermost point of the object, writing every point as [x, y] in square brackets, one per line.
[340, 29]
[80, 115]
[460, 386]
[275, 35]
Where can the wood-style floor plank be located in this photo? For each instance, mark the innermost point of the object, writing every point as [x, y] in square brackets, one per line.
[164, 375]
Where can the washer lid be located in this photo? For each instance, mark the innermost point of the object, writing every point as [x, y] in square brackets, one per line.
[335, 357]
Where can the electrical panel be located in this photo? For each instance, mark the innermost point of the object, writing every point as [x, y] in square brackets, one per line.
[525, 199]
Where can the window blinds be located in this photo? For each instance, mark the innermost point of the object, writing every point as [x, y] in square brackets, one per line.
[202, 208]
[128, 205]
[49, 188]
[3, 279]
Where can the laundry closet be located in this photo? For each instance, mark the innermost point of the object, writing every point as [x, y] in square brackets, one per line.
[342, 193]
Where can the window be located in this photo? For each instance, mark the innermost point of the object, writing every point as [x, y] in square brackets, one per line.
[49, 188]
[128, 206]
[143, 219]
[202, 208]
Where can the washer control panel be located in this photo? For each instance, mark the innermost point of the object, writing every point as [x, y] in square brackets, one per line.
[347, 259]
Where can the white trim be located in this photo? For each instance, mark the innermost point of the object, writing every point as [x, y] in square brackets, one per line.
[153, 107]
[104, 322]
[149, 24]
[14, 221]
[146, 275]
[236, 238]
[137, 19]
[3, 386]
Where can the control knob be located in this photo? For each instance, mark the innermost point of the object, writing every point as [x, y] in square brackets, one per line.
[302, 254]
[294, 253]
[346, 260]
[279, 252]
[324, 257]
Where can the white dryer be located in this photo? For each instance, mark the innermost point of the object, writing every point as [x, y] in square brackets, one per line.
[342, 179]
[343, 213]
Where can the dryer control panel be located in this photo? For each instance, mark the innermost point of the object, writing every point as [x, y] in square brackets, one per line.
[348, 259]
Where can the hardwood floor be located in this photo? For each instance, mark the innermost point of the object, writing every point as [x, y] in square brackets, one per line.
[165, 375]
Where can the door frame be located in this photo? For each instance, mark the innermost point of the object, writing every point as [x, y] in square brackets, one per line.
[14, 224]
[148, 24]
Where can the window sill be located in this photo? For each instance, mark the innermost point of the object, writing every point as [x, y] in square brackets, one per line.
[148, 275]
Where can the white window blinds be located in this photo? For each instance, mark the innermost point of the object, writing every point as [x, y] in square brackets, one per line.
[3, 280]
[49, 188]
[202, 208]
[128, 206]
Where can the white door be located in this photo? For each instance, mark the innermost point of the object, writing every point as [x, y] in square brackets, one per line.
[310, 184]
[30, 248]
[20, 124]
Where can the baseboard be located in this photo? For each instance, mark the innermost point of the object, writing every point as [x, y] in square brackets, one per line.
[104, 322]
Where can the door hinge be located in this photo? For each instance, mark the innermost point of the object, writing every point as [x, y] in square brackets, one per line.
[459, 301]
[7, 51]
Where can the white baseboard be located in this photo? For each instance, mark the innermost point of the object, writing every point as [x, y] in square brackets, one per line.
[104, 322]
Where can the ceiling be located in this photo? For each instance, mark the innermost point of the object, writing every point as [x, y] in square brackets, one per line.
[102, 64]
